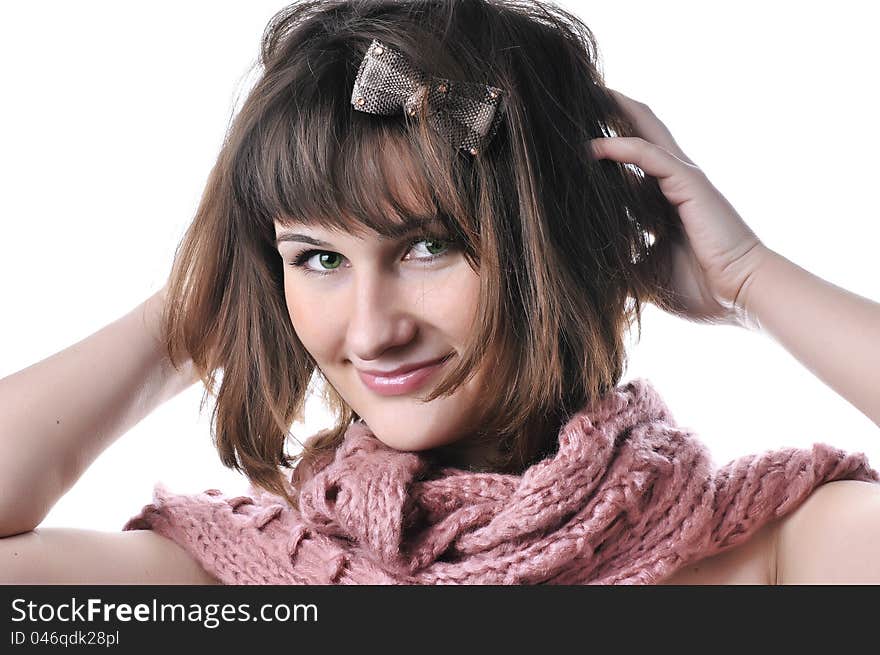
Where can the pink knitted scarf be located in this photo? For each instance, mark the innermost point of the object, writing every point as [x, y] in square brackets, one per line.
[628, 498]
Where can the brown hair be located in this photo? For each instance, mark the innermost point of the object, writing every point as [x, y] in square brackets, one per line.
[567, 248]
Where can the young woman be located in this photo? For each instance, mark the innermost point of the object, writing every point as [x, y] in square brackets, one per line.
[477, 250]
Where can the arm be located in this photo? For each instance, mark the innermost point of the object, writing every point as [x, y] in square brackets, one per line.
[74, 556]
[833, 332]
[722, 272]
[59, 414]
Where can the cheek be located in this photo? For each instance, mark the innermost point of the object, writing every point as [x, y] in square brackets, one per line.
[459, 302]
[310, 325]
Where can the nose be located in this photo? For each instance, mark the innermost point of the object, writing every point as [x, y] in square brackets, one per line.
[381, 315]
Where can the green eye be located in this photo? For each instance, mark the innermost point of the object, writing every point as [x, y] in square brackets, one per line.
[433, 241]
[328, 255]
[437, 247]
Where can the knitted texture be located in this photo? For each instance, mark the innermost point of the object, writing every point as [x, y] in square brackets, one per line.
[628, 498]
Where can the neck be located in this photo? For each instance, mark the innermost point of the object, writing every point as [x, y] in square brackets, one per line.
[481, 453]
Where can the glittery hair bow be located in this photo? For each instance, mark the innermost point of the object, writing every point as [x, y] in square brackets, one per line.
[464, 113]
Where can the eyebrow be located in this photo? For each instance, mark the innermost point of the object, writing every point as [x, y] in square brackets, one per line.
[396, 231]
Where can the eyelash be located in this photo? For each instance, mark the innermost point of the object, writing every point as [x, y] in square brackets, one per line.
[300, 260]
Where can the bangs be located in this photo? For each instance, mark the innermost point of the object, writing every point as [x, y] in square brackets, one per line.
[326, 164]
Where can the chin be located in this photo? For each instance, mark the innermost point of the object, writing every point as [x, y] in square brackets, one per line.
[414, 430]
[406, 423]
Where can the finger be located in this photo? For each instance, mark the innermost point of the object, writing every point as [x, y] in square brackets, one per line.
[651, 158]
[648, 126]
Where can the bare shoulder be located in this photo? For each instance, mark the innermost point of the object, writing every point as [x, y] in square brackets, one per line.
[77, 556]
[833, 537]
[749, 563]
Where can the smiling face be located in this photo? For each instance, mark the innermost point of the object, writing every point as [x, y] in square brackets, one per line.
[363, 301]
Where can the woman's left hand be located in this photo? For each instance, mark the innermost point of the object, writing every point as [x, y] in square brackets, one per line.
[720, 254]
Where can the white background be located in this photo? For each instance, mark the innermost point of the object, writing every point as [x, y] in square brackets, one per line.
[113, 113]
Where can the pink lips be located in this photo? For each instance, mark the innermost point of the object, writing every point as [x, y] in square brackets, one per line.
[395, 385]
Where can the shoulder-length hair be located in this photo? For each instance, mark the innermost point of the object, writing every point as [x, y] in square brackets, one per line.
[567, 248]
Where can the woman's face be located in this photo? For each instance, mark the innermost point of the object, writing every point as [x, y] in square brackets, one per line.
[381, 304]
